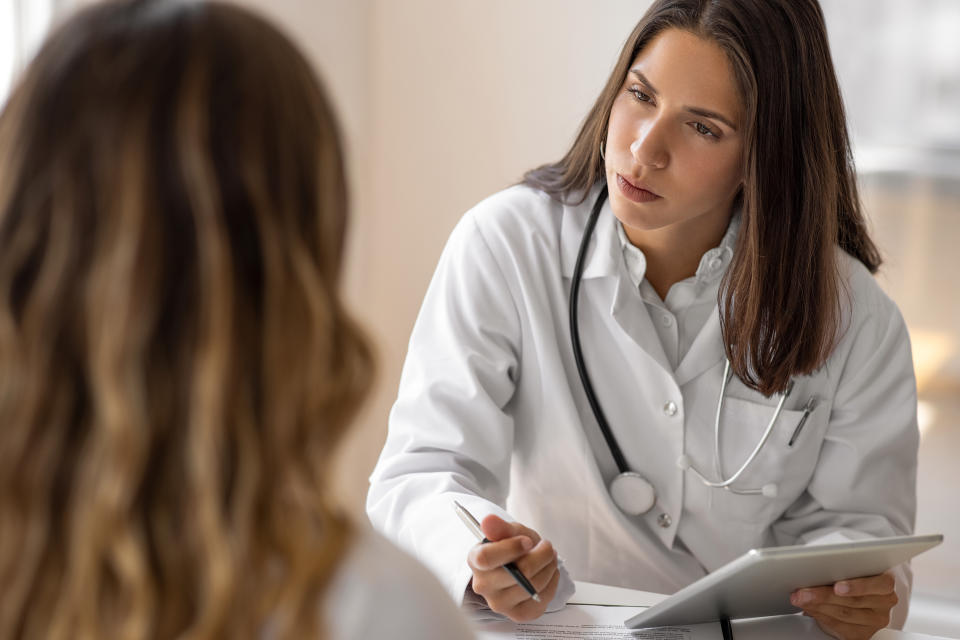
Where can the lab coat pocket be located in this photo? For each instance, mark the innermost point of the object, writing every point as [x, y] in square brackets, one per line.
[777, 467]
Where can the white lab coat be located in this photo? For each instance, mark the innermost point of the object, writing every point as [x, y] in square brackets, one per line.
[491, 411]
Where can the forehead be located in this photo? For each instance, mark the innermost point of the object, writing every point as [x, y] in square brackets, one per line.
[690, 70]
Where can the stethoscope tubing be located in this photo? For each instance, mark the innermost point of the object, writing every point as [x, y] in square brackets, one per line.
[601, 419]
[612, 444]
[723, 484]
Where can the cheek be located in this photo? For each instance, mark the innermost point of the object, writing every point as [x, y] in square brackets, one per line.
[618, 128]
[713, 175]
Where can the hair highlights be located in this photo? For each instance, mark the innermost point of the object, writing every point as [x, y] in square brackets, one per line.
[176, 364]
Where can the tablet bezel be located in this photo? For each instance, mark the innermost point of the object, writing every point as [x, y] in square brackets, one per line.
[759, 582]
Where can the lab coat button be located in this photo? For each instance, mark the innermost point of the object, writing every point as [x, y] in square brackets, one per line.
[670, 409]
[667, 321]
[664, 520]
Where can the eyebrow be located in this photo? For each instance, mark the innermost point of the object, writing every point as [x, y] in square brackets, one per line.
[706, 113]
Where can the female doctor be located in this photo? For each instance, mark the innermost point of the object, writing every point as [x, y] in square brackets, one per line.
[667, 347]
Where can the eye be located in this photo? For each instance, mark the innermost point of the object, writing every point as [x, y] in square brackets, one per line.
[638, 94]
[704, 130]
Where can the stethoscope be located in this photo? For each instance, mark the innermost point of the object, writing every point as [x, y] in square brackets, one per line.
[631, 492]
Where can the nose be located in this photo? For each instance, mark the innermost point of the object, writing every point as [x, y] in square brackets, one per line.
[650, 147]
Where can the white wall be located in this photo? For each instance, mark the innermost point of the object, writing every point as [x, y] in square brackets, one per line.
[23, 26]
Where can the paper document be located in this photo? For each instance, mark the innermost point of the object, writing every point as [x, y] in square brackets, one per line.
[593, 622]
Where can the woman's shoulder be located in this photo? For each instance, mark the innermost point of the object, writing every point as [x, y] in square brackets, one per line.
[869, 317]
[865, 297]
[380, 591]
[524, 221]
[516, 209]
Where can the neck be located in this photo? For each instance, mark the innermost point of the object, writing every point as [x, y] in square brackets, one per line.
[673, 252]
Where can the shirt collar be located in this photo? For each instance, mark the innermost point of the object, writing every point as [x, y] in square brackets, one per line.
[712, 264]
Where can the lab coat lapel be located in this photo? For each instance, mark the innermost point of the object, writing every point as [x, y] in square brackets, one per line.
[603, 256]
[705, 352]
[630, 312]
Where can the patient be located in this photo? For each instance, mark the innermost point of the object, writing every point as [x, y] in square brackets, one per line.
[176, 364]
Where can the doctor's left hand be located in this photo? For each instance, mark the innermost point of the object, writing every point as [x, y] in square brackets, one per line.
[536, 559]
[851, 609]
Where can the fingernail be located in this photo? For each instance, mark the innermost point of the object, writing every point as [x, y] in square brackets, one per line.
[804, 597]
[841, 588]
[526, 543]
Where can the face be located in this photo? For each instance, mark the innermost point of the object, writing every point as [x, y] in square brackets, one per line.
[673, 148]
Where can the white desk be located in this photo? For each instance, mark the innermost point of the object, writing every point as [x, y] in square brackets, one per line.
[785, 627]
[753, 629]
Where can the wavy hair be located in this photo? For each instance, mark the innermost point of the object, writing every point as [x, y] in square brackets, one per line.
[176, 363]
[781, 296]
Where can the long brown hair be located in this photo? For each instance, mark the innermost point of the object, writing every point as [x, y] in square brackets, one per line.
[781, 296]
[175, 361]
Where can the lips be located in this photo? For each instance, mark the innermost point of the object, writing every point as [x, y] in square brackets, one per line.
[635, 192]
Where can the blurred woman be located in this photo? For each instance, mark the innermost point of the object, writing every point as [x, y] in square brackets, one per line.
[176, 364]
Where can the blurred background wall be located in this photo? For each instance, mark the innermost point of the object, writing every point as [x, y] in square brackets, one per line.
[444, 102]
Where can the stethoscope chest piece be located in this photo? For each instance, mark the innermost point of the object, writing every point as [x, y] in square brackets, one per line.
[632, 493]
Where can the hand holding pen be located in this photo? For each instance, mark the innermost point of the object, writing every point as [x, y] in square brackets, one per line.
[534, 559]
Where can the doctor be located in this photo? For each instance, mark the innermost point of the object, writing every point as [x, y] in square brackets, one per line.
[739, 381]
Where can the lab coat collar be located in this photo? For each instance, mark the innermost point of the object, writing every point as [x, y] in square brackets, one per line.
[603, 255]
[631, 313]
[705, 352]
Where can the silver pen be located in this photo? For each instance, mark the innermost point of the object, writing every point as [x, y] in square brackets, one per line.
[511, 568]
[807, 409]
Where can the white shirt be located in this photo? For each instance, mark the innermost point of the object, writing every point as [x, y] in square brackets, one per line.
[680, 317]
[380, 592]
[491, 412]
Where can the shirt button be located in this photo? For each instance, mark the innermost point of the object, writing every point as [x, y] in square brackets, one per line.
[664, 520]
[666, 320]
[670, 409]
[715, 263]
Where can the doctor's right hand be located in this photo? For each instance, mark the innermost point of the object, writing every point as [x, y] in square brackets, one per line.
[536, 559]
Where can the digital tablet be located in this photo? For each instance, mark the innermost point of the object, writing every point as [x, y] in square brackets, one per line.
[759, 582]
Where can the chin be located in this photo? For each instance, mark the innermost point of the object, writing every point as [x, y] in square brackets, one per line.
[640, 216]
